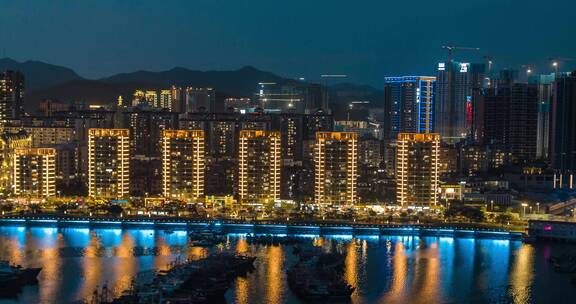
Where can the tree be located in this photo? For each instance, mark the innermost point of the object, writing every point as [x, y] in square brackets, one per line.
[503, 218]
[115, 210]
[7, 207]
[469, 212]
[451, 212]
[34, 208]
[473, 214]
[61, 207]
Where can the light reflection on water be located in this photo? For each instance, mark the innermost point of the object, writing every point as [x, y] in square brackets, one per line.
[385, 269]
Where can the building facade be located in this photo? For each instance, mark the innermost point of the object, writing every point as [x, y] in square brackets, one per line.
[509, 119]
[8, 142]
[408, 105]
[34, 172]
[183, 164]
[259, 161]
[563, 124]
[11, 95]
[336, 169]
[200, 100]
[108, 163]
[455, 87]
[417, 169]
[47, 136]
[545, 84]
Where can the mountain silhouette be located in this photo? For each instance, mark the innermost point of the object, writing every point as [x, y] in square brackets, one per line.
[39, 74]
[56, 82]
[241, 82]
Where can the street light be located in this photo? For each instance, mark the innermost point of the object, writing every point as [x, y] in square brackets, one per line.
[492, 205]
[528, 70]
[524, 205]
[555, 65]
[538, 208]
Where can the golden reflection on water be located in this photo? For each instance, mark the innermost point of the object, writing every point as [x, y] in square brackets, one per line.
[125, 266]
[242, 284]
[242, 246]
[242, 289]
[399, 275]
[415, 270]
[51, 267]
[196, 253]
[521, 275]
[91, 267]
[318, 242]
[429, 285]
[162, 259]
[275, 259]
[15, 251]
[351, 263]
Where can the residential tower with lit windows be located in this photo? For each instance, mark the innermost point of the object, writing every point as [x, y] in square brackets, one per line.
[259, 162]
[108, 163]
[183, 163]
[417, 169]
[336, 168]
[34, 172]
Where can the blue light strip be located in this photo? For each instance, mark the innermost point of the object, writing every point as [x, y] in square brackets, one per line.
[273, 226]
[73, 221]
[494, 232]
[44, 221]
[314, 229]
[341, 228]
[241, 225]
[441, 230]
[305, 227]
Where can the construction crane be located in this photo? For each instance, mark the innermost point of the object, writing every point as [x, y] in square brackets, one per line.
[452, 48]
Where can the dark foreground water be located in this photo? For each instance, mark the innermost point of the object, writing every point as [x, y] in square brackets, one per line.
[384, 269]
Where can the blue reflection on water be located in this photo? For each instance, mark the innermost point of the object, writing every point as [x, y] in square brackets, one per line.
[391, 269]
[76, 237]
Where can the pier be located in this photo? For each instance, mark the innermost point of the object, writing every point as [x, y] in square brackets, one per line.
[256, 227]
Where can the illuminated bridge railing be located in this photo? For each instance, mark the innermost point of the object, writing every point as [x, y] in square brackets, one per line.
[284, 228]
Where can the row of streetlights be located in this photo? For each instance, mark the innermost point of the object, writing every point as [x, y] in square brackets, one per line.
[524, 205]
[555, 65]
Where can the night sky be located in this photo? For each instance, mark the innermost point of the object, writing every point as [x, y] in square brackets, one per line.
[366, 39]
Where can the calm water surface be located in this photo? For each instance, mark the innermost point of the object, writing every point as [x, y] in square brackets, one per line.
[384, 269]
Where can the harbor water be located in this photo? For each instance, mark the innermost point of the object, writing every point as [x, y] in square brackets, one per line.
[384, 269]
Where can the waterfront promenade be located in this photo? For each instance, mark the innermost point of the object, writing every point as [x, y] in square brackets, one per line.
[260, 227]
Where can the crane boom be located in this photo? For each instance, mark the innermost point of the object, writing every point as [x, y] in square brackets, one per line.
[452, 47]
[561, 59]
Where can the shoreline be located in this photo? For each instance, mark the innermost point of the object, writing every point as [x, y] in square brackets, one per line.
[269, 227]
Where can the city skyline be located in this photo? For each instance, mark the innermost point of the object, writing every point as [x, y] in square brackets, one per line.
[258, 151]
[228, 35]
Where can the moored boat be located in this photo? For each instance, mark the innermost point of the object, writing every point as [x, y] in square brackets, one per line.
[14, 277]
